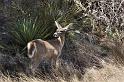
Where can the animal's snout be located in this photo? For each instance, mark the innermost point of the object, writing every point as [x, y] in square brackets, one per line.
[55, 34]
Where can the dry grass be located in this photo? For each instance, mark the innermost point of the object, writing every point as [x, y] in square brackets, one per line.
[80, 64]
[109, 73]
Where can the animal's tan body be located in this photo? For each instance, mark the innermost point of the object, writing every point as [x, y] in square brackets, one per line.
[50, 50]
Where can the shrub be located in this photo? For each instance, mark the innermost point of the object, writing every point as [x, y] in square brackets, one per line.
[36, 21]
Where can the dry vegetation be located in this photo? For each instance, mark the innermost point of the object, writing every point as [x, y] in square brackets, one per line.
[110, 73]
[88, 66]
[95, 54]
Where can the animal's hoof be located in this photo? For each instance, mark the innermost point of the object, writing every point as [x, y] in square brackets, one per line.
[29, 72]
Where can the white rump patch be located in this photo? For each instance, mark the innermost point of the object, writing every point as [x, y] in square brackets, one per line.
[33, 50]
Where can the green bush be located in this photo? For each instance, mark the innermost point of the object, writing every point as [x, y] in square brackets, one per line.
[36, 21]
[28, 29]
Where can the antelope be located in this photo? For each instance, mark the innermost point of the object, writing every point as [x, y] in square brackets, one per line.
[39, 49]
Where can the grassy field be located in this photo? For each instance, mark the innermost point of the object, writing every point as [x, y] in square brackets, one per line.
[109, 73]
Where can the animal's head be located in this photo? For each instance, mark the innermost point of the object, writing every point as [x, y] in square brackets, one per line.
[60, 31]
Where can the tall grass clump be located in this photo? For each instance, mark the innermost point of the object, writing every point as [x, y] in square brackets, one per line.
[36, 21]
[28, 29]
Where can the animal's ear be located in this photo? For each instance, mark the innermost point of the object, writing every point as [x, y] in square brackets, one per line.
[58, 25]
[68, 26]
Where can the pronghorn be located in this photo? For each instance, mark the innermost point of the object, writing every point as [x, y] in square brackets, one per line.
[51, 49]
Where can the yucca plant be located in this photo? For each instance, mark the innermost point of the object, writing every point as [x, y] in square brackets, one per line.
[38, 22]
[26, 30]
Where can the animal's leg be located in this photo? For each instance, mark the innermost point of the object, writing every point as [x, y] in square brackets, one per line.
[54, 62]
[34, 64]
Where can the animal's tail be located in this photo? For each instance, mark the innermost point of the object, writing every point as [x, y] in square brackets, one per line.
[31, 47]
